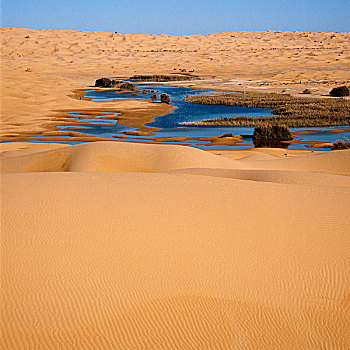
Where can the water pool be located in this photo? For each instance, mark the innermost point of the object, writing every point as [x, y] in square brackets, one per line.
[168, 125]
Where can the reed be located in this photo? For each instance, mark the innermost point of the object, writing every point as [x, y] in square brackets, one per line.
[163, 77]
[288, 110]
[106, 83]
[272, 132]
[129, 87]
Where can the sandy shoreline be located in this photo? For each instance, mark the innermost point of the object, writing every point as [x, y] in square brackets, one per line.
[115, 245]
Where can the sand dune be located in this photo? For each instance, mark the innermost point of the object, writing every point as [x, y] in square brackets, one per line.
[40, 68]
[124, 248]
[111, 156]
[278, 176]
[113, 245]
[126, 157]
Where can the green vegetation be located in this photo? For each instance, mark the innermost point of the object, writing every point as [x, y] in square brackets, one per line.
[288, 110]
[340, 91]
[165, 98]
[163, 77]
[272, 132]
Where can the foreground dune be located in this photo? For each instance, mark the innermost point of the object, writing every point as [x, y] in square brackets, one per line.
[108, 245]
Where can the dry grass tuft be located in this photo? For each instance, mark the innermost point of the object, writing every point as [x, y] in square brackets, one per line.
[341, 144]
[288, 110]
[164, 77]
[272, 132]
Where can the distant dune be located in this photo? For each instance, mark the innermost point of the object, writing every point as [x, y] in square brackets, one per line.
[40, 68]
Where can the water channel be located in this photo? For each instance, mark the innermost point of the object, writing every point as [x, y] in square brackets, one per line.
[168, 124]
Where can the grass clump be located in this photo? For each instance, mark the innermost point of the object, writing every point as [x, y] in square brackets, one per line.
[340, 91]
[106, 83]
[306, 92]
[165, 98]
[156, 77]
[129, 87]
[341, 144]
[294, 112]
[272, 132]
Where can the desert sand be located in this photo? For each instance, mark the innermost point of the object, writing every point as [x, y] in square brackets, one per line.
[114, 245]
[42, 68]
[135, 246]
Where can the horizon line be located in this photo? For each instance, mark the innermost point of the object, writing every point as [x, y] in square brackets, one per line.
[172, 34]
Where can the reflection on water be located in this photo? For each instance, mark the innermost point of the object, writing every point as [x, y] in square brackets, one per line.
[169, 124]
[270, 144]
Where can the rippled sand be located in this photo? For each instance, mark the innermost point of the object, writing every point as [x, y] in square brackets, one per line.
[134, 246]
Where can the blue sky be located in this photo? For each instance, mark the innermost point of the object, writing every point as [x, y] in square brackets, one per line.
[177, 17]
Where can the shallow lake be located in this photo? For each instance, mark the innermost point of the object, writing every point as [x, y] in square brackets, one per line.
[185, 111]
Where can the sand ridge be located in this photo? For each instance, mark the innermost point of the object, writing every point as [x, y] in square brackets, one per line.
[217, 256]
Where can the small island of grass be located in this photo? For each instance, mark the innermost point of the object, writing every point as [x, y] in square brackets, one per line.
[288, 110]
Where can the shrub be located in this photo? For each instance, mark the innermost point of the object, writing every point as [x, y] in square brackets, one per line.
[272, 132]
[340, 91]
[129, 87]
[165, 98]
[157, 77]
[306, 92]
[226, 135]
[341, 144]
[106, 83]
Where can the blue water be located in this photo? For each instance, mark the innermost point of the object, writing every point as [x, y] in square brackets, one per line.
[106, 128]
[185, 111]
[168, 125]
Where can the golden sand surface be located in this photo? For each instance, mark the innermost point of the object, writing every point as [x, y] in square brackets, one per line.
[111, 245]
[115, 245]
[41, 68]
